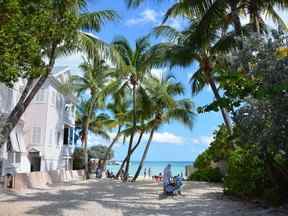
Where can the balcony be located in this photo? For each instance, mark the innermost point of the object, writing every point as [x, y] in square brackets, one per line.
[67, 150]
[69, 117]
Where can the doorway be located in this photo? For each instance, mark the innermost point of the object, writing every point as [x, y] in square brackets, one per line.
[35, 161]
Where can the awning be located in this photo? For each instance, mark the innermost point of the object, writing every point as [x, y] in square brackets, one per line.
[17, 141]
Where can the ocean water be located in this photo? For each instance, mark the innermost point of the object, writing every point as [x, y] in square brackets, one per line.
[156, 167]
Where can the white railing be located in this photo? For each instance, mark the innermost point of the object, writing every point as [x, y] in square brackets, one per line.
[67, 150]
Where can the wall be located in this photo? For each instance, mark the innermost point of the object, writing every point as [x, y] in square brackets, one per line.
[24, 181]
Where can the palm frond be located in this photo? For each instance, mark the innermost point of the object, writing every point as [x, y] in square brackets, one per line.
[93, 21]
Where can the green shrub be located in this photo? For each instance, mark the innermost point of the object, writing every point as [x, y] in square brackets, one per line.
[78, 159]
[246, 173]
[207, 174]
[203, 160]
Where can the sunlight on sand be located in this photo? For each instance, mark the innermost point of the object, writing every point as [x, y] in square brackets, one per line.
[112, 198]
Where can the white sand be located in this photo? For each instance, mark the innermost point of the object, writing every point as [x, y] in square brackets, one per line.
[113, 198]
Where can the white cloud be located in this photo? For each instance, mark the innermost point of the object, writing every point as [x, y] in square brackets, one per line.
[202, 140]
[167, 138]
[147, 16]
[72, 61]
[178, 23]
[158, 73]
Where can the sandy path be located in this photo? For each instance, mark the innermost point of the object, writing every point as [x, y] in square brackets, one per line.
[112, 198]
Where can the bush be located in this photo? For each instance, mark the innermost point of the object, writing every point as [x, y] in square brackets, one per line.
[78, 159]
[203, 160]
[208, 175]
[246, 173]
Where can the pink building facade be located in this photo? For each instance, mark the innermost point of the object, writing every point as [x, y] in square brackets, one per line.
[44, 138]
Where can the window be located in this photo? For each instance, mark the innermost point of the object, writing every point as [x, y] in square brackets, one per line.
[40, 96]
[36, 136]
[66, 136]
[53, 98]
[10, 157]
[18, 157]
[51, 137]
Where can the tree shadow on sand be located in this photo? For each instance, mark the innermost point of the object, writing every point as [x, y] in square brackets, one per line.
[107, 196]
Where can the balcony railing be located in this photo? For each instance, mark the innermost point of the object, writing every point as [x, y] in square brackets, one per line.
[69, 117]
[67, 150]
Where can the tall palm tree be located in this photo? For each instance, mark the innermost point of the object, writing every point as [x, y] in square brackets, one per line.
[162, 93]
[97, 124]
[69, 22]
[95, 86]
[135, 64]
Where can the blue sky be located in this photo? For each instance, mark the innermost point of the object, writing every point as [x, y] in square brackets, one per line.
[172, 142]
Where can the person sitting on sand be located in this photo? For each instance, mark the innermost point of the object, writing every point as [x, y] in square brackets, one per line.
[158, 178]
[178, 184]
[167, 177]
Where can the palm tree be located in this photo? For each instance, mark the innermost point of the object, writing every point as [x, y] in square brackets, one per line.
[224, 13]
[135, 64]
[186, 48]
[162, 93]
[69, 22]
[118, 108]
[98, 125]
[96, 81]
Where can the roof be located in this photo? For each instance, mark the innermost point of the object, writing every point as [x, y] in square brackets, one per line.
[59, 70]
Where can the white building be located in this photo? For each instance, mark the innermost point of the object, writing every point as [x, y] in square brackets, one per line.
[43, 138]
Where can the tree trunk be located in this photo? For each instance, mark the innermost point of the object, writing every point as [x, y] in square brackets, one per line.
[225, 115]
[235, 17]
[209, 78]
[126, 172]
[86, 157]
[133, 149]
[86, 129]
[111, 146]
[143, 156]
[26, 99]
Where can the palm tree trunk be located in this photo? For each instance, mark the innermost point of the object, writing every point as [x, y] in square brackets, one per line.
[133, 149]
[126, 172]
[26, 99]
[225, 115]
[143, 156]
[207, 71]
[111, 146]
[235, 16]
[86, 131]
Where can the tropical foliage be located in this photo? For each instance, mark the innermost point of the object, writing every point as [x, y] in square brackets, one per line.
[245, 65]
[49, 29]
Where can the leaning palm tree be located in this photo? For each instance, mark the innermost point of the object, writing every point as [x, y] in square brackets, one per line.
[162, 93]
[118, 108]
[67, 26]
[186, 48]
[135, 63]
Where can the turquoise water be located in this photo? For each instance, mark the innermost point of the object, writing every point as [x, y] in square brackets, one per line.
[156, 167]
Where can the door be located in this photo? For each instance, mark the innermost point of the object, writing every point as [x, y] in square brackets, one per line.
[35, 161]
